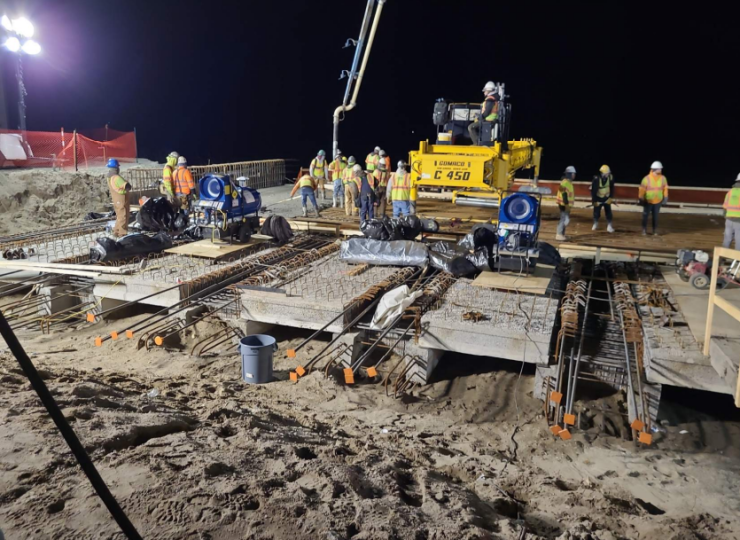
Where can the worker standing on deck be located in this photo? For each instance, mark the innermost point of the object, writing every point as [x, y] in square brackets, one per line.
[384, 157]
[367, 194]
[336, 170]
[566, 198]
[602, 195]
[653, 194]
[732, 215]
[372, 159]
[119, 189]
[488, 111]
[169, 168]
[183, 183]
[399, 191]
[307, 185]
[348, 180]
[317, 170]
[381, 175]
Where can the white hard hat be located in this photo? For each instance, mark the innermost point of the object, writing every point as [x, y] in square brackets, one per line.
[357, 168]
[656, 165]
[570, 169]
[489, 87]
[377, 149]
[174, 155]
[401, 165]
[382, 152]
[241, 179]
[738, 178]
[182, 161]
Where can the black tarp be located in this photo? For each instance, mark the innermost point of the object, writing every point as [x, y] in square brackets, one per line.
[106, 249]
[160, 215]
[277, 227]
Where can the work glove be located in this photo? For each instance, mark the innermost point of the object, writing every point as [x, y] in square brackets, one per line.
[127, 187]
[665, 201]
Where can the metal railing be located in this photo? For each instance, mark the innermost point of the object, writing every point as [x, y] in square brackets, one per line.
[261, 174]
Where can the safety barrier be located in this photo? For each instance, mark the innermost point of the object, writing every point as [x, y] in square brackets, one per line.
[69, 150]
[261, 174]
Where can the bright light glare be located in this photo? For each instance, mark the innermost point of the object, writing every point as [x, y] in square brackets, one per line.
[6, 23]
[23, 27]
[31, 47]
[12, 44]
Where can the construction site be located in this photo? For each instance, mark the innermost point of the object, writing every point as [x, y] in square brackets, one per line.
[242, 368]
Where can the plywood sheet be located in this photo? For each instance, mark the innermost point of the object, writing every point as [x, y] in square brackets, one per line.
[536, 283]
[693, 304]
[207, 249]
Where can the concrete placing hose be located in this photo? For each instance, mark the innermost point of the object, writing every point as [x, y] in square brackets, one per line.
[68, 433]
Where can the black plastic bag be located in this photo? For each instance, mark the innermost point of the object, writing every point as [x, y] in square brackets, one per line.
[457, 265]
[107, 249]
[278, 228]
[548, 254]
[375, 229]
[429, 225]
[160, 215]
[97, 215]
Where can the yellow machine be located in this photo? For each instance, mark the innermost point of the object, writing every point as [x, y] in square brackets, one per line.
[477, 174]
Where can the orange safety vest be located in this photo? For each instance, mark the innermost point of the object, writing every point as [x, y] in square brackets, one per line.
[654, 187]
[732, 203]
[494, 111]
[183, 181]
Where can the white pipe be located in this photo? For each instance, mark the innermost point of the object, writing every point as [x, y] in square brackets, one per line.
[353, 102]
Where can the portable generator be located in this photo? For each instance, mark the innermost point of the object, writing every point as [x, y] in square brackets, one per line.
[228, 209]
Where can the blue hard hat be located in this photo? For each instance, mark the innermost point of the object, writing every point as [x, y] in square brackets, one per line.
[112, 163]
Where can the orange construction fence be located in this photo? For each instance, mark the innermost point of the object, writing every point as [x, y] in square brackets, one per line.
[64, 149]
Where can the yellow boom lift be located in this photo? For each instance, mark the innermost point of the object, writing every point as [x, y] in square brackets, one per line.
[478, 175]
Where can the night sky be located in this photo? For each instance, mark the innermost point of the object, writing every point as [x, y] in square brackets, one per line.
[593, 83]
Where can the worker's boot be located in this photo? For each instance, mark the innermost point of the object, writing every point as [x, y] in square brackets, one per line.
[305, 212]
[644, 232]
[333, 202]
[560, 237]
[596, 226]
[655, 232]
[317, 212]
[609, 228]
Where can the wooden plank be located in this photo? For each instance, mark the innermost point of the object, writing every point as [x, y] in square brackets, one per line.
[536, 283]
[212, 250]
[25, 264]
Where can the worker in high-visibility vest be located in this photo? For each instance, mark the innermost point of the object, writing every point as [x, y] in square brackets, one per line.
[732, 215]
[336, 172]
[169, 168]
[366, 190]
[488, 111]
[119, 189]
[381, 175]
[566, 198]
[317, 170]
[307, 185]
[653, 194]
[383, 156]
[372, 159]
[399, 191]
[602, 195]
[348, 181]
[182, 180]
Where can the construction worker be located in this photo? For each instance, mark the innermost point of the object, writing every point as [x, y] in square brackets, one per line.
[602, 194]
[371, 161]
[399, 191]
[169, 168]
[566, 198]
[348, 181]
[307, 185]
[653, 194]
[119, 189]
[336, 172]
[317, 170]
[732, 215]
[367, 194]
[384, 157]
[183, 184]
[488, 111]
[381, 176]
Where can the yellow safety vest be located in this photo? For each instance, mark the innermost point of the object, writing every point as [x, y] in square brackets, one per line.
[305, 181]
[567, 186]
[337, 167]
[117, 184]
[654, 187]
[372, 161]
[318, 168]
[382, 177]
[732, 203]
[603, 190]
[167, 178]
[401, 190]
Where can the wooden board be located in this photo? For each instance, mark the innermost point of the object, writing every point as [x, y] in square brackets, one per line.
[536, 283]
[212, 250]
[693, 304]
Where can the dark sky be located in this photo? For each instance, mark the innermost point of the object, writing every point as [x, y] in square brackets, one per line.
[593, 83]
